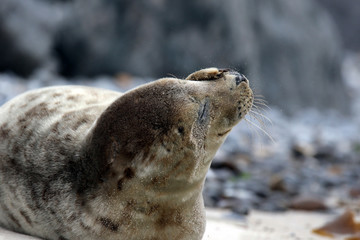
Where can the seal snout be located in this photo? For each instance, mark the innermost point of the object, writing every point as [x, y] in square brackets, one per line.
[240, 78]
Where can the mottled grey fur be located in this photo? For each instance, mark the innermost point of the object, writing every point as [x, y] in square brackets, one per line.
[85, 163]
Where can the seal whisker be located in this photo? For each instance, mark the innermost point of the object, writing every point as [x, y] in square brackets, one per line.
[171, 75]
[261, 108]
[256, 112]
[261, 129]
[260, 101]
[262, 116]
[263, 103]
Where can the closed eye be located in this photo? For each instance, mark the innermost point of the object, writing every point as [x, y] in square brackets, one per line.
[203, 114]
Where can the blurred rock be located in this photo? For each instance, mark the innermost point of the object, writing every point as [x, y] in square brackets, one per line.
[308, 203]
[326, 153]
[233, 164]
[239, 206]
[354, 192]
[277, 183]
[27, 31]
[346, 16]
[344, 224]
[301, 151]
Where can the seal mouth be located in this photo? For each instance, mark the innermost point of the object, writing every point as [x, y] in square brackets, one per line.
[224, 133]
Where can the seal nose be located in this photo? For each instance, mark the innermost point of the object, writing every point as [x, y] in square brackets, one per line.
[240, 78]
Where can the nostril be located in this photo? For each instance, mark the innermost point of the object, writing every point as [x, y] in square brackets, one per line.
[240, 78]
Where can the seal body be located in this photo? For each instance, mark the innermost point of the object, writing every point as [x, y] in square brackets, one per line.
[85, 163]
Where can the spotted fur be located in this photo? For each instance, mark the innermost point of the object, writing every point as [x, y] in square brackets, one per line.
[85, 163]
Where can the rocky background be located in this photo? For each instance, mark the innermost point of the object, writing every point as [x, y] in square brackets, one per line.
[302, 56]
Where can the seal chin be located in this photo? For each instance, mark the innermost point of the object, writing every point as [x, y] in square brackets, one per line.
[225, 95]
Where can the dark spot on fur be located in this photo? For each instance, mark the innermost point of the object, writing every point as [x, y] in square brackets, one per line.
[62, 150]
[39, 111]
[26, 217]
[31, 207]
[126, 218]
[120, 184]
[79, 123]
[14, 220]
[109, 224]
[23, 105]
[52, 211]
[21, 120]
[113, 174]
[15, 149]
[55, 128]
[72, 217]
[129, 173]
[72, 98]
[47, 193]
[13, 163]
[152, 209]
[177, 164]
[4, 131]
[56, 95]
[130, 203]
[158, 181]
[68, 138]
[32, 97]
[35, 196]
[23, 127]
[67, 116]
[62, 238]
[181, 130]
[152, 158]
[169, 217]
[84, 226]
